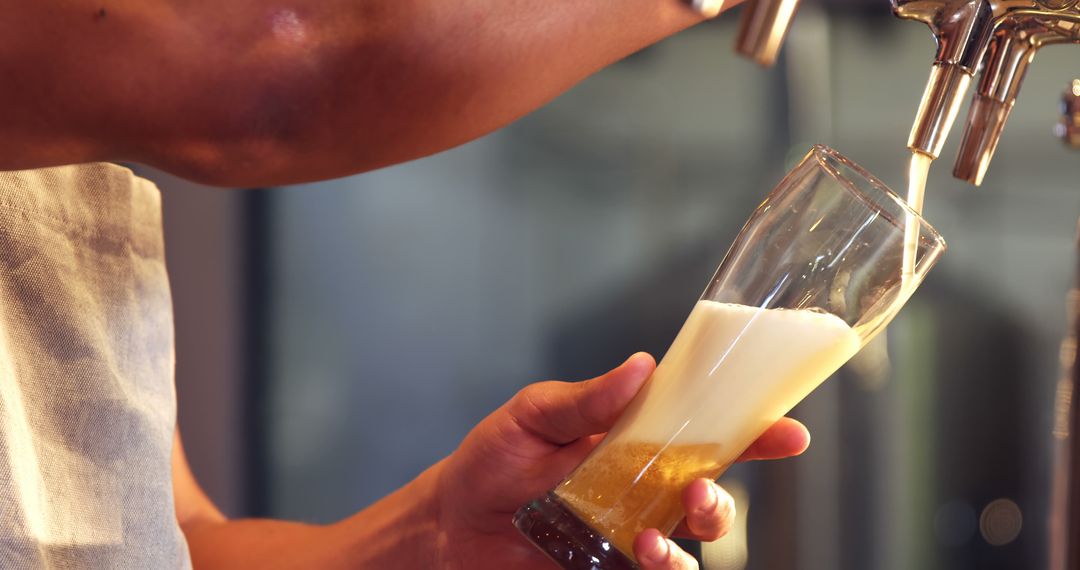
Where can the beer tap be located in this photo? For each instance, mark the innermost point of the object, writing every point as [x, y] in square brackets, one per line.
[998, 37]
[762, 27]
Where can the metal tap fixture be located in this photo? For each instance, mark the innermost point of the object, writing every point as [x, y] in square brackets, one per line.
[998, 37]
[762, 29]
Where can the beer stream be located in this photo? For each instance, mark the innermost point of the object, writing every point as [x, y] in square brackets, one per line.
[918, 171]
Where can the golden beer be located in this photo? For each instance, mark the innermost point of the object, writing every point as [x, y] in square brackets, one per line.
[628, 487]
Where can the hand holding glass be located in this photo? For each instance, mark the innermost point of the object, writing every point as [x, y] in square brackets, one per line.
[816, 272]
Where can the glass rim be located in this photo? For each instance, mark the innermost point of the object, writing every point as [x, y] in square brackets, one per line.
[824, 154]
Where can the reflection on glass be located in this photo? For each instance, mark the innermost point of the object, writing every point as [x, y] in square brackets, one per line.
[816, 272]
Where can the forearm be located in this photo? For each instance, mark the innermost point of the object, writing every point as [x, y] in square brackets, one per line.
[248, 92]
[399, 531]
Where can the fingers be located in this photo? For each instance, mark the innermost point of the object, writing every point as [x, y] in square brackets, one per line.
[710, 511]
[561, 412]
[654, 552]
[785, 438]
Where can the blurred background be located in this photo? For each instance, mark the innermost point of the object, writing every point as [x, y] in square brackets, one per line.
[335, 339]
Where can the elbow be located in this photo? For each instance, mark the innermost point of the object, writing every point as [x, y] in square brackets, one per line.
[253, 143]
[241, 144]
[261, 148]
[285, 111]
[226, 163]
[253, 122]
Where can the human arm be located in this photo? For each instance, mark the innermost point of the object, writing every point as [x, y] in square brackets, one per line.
[254, 93]
[457, 514]
[395, 532]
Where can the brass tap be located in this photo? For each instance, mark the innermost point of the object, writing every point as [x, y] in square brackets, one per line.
[998, 37]
[762, 29]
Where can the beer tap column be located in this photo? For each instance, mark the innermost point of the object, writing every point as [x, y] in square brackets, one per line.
[945, 89]
[1007, 62]
[962, 29]
[1017, 38]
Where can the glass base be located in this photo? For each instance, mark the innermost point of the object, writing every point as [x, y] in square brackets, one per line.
[566, 539]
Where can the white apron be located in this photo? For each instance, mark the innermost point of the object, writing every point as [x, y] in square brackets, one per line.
[87, 399]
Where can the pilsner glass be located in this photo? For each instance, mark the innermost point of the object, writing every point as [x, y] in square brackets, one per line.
[816, 272]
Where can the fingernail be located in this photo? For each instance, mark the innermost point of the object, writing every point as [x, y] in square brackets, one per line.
[660, 550]
[712, 503]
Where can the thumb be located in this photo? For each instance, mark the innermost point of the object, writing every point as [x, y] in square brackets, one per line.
[561, 412]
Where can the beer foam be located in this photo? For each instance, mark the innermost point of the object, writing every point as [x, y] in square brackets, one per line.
[731, 373]
[734, 370]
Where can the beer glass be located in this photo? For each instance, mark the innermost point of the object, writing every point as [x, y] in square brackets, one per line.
[815, 273]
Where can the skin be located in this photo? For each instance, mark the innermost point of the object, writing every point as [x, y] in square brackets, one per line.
[250, 93]
[254, 93]
[457, 513]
